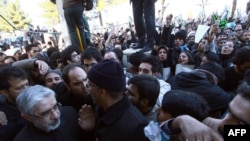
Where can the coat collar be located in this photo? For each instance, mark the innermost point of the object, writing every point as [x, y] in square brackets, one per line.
[113, 112]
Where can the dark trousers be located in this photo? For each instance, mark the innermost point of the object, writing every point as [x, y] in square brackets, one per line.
[144, 20]
[74, 19]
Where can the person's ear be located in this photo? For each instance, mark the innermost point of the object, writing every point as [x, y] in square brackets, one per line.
[144, 102]
[67, 86]
[5, 93]
[69, 61]
[103, 92]
[27, 117]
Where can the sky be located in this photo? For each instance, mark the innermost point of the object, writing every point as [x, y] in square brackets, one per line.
[177, 7]
[186, 6]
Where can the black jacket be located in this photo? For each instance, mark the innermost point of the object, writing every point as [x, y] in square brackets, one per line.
[15, 122]
[69, 130]
[198, 82]
[121, 122]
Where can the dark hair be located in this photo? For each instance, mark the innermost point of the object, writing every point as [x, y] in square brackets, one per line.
[66, 69]
[150, 93]
[53, 71]
[10, 72]
[156, 66]
[55, 59]
[241, 56]
[190, 57]
[247, 76]
[164, 63]
[162, 47]
[211, 56]
[221, 33]
[28, 47]
[214, 68]
[23, 56]
[244, 89]
[118, 53]
[181, 34]
[50, 50]
[66, 53]
[135, 58]
[179, 102]
[91, 52]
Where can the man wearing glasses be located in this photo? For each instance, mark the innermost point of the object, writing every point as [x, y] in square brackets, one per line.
[47, 121]
[70, 55]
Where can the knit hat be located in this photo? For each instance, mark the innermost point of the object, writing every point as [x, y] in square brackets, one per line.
[182, 34]
[108, 74]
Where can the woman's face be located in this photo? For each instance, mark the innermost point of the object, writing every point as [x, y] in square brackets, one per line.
[227, 48]
[204, 60]
[183, 58]
[162, 54]
[202, 45]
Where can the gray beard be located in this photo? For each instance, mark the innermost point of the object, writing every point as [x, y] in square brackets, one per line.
[48, 128]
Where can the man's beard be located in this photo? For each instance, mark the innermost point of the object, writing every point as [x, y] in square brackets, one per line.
[48, 128]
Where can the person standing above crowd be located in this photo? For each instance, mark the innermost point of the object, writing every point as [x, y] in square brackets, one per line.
[73, 13]
[144, 20]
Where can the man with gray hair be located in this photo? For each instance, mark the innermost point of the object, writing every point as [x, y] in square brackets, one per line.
[47, 120]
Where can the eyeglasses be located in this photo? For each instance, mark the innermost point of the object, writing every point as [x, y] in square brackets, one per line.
[48, 113]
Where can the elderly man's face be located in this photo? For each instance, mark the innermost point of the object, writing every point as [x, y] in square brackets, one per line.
[47, 114]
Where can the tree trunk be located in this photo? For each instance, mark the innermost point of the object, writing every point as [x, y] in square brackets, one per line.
[100, 18]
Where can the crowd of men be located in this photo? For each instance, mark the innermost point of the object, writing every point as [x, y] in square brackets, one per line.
[187, 90]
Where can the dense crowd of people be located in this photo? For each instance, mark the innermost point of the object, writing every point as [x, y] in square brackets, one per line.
[181, 89]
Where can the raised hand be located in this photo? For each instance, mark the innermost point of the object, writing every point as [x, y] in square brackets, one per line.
[86, 118]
